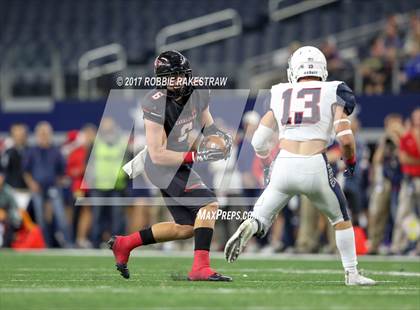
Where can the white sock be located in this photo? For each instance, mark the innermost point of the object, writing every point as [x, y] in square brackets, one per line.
[347, 248]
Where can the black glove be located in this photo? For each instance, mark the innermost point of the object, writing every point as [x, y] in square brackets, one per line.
[350, 167]
[208, 155]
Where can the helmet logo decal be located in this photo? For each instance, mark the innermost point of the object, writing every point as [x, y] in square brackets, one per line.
[160, 61]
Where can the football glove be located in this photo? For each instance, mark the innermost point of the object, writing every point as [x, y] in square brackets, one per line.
[350, 167]
[203, 155]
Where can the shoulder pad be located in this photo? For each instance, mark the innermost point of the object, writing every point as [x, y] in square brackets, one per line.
[346, 98]
[153, 105]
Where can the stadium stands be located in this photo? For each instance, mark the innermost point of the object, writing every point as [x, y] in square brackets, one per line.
[27, 40]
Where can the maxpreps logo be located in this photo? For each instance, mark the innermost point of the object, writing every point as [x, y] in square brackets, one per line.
[223, 215]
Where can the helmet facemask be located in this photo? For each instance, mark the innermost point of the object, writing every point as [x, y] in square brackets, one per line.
[184, 89]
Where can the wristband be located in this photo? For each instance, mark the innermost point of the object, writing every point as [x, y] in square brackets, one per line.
[344, 133]
[189, 157]
[343, 120]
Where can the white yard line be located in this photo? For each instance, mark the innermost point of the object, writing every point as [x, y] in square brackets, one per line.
[214, 254]
[236, 270]
[196, 290]
[321, 271]
[160, 281]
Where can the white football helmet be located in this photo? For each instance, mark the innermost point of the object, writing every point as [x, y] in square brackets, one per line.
[307, 61]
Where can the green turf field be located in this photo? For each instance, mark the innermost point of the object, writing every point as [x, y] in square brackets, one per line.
[40, 281]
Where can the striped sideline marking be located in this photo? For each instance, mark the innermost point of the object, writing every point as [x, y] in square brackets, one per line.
[214, 254]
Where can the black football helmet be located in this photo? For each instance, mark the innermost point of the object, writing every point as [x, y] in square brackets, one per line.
[173, 63]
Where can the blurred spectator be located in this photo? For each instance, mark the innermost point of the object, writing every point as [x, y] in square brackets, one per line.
[411, 74]
[251, 187]
[75, 170]
[13, 156]
[108, 181]
[337, 69]
[70, 144]
[386, 181]
[10, 218]
[411, 77]
[353, 187]
[44, 169]
[246, 156]
[227, 184]
[392, 38]
[409, 198]
[293, 46]
[412, 38]
[12, 162]
[375, 69]
[140, 215]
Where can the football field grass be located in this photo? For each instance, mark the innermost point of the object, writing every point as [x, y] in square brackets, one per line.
[66, 280]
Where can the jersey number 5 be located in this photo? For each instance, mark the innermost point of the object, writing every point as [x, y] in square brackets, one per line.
[185, 130]
[297, 117]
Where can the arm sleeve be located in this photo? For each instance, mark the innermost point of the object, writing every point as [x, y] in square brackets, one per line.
[346, 98]
[260, 140]
[153, 107]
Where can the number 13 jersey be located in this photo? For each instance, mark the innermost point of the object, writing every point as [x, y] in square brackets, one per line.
[305, 111]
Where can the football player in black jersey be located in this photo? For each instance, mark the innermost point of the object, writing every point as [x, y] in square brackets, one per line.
[172, 115]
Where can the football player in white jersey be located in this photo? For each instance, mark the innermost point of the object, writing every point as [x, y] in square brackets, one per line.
[307, 112]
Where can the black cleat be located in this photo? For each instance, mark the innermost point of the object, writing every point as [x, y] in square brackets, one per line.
[111, 242]
[122, 268]
[219, 277]
[214, 277]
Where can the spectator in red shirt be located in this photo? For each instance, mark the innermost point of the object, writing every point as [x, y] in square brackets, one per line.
[76, 161]
[76, 166]
[409, 196]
